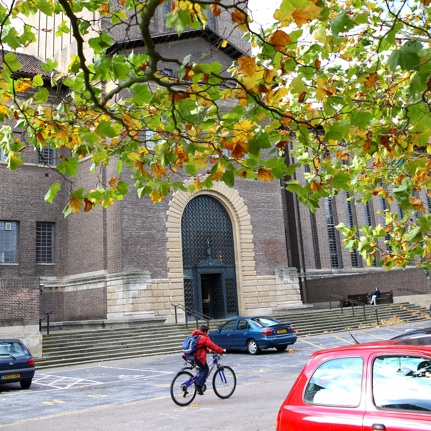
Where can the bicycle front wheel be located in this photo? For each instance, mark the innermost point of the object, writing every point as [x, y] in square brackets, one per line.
[224, 382]
[183, 391]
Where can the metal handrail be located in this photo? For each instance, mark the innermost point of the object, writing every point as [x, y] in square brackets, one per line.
[47, 314]
[190, 312]
[352, 302]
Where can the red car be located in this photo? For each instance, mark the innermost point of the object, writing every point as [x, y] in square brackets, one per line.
[368, 387]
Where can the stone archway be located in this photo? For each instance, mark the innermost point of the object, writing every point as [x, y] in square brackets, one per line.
[242, 237]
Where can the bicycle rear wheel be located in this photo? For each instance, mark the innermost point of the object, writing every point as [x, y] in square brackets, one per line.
[224, 382]
[183, 392]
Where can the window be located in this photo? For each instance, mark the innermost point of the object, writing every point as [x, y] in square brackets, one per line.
[332, 236]
[337, 382]
[350, 216]
[2, 156]
[46, 156]
[402, 383]
[44, 242]
[8, 242]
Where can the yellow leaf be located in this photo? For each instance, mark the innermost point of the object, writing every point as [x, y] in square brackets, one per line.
[23, 85]
[156, 196]
[305, 15]
[104, 9]
[224, 43]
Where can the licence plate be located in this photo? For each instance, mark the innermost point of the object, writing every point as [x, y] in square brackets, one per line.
[11, 376]
[281, 331]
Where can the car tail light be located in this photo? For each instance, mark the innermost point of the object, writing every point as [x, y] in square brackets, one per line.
[267, 332]
[30, 362]
[292, 329]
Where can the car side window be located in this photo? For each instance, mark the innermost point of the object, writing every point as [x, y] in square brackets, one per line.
[337, 382]
[229, 326]
[242, 325]
[402, 383]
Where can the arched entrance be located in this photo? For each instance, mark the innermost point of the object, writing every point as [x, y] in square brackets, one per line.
[208, 258]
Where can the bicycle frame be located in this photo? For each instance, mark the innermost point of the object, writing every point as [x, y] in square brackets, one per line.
[214, 363]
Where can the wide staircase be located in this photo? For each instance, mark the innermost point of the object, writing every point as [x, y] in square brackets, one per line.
[69, 347]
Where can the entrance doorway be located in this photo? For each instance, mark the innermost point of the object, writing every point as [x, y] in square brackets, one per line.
[211, 288]
[208, 258]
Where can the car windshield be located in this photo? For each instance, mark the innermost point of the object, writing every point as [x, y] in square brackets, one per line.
[264, 321]
[11, 348]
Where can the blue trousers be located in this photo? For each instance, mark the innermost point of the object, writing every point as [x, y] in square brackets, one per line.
[203, 372]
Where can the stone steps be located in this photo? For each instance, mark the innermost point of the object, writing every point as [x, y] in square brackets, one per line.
[70, 347]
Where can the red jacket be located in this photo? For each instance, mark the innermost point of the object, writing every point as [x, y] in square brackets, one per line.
[204, 345]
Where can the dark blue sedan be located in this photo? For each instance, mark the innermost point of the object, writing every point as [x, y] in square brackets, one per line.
[253, 334]
[16, 363]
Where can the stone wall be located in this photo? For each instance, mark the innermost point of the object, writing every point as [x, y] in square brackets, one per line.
[408, 282]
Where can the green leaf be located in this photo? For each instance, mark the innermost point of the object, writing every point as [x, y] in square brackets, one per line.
[41, 96]
[44, 6]
[68, 167]
[407, 57]
[52, 192]
[341, 24]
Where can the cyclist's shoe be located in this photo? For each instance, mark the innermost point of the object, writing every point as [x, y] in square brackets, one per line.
[199, 390]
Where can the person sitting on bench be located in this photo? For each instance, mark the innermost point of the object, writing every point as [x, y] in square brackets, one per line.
[374, 296]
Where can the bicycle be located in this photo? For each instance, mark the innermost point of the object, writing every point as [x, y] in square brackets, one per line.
[183, 388]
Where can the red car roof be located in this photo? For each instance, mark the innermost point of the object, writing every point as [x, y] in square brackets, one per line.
[386, 345]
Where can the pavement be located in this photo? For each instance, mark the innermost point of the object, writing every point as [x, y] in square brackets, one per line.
[133, 394]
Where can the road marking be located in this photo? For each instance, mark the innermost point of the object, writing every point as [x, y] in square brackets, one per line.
[61, 382]
[51, 403]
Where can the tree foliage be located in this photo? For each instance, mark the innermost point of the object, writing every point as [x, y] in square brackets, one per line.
[349, 82]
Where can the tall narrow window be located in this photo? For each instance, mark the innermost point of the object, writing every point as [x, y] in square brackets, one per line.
[385, 206]
[369, 222]
[332, 237]
[46, 156]
[350, 218]
[44, 242]
[8, 242]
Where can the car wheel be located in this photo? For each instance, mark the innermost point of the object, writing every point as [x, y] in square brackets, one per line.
[252, 347]
[25, 384]
[281, 348]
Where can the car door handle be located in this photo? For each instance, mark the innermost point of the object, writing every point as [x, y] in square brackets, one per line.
[378, 427]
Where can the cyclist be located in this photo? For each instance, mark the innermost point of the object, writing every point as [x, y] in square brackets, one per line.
[203, 346]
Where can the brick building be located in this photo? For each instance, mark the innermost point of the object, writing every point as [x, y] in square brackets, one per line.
[225, 251]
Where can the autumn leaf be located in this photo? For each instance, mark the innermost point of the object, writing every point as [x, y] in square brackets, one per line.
[41, 138]
[305, 15]
[417, 203]
[240, 149]
[215, 10]
[75, 204]
[247, 65]
[88, 205]
[23, 85]
[264, 174]
[371, 80]
[156, 196]
[158, 170]
[279, 39]
[113, 182]
[239, 17]
[104, 9]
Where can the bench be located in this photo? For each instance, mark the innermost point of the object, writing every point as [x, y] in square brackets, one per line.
[385, 298]
[364, 298]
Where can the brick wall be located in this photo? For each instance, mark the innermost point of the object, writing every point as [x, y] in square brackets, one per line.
[411, 281]
[19, 301]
